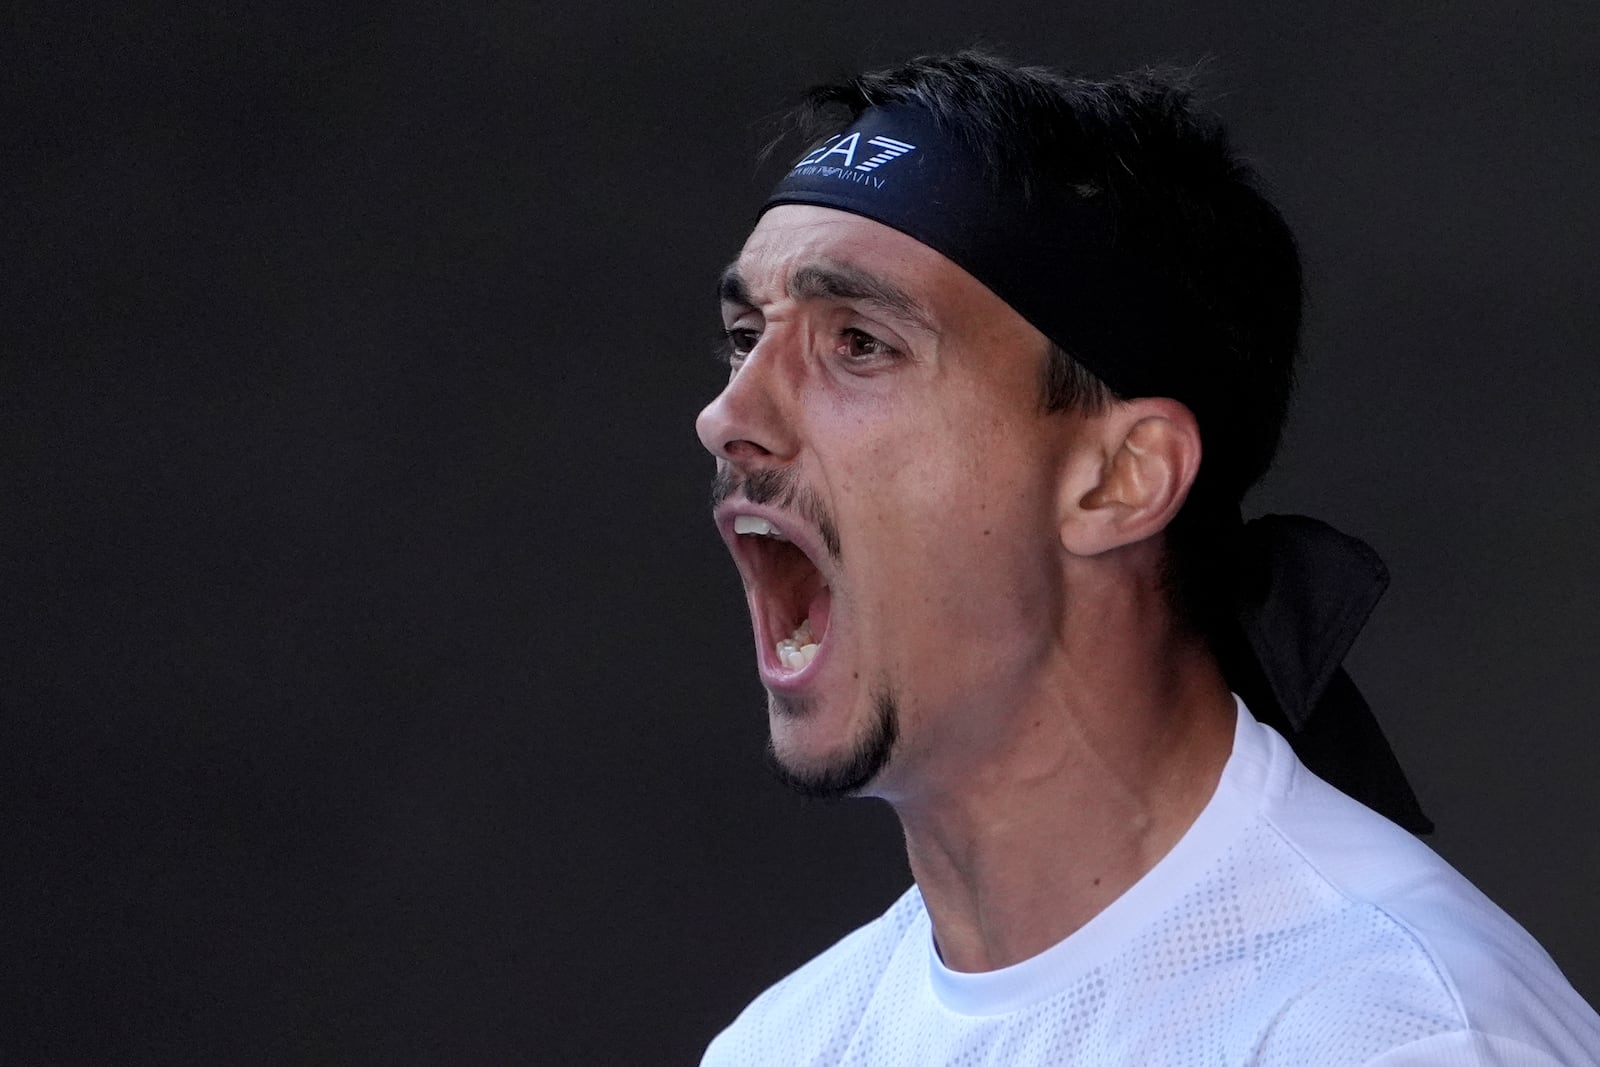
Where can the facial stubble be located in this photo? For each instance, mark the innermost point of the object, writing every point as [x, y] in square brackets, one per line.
[851, 773]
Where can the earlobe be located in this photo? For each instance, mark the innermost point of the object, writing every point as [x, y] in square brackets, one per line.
[1129, 476]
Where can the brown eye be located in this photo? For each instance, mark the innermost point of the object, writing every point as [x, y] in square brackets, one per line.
[858, 346]
[738, 342]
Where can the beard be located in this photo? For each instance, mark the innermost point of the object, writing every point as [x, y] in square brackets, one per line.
[854, 771]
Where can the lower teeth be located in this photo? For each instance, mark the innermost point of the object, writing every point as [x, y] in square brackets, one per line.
[798, 649]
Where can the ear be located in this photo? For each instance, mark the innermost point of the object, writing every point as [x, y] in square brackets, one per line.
[1129, 474]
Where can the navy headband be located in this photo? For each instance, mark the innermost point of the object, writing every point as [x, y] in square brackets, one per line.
[1052, 254]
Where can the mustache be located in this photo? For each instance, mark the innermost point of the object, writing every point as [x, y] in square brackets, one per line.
[783, 489]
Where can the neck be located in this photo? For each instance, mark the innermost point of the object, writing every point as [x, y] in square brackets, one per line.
[1094, 777]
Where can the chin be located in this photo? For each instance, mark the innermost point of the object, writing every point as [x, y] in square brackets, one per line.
[843, 771]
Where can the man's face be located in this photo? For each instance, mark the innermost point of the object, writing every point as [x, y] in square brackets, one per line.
[882, 446]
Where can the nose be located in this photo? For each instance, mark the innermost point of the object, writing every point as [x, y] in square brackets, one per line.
[750, 423]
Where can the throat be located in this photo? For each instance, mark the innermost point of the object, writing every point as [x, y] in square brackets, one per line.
[1011, 860]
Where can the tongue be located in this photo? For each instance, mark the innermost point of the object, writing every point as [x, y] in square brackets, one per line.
[818, 613]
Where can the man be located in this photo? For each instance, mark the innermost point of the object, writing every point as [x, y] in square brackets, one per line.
[1007, 348]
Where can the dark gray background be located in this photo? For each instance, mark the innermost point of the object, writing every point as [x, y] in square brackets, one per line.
[372, 685]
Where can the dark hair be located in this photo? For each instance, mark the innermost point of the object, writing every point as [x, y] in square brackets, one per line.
[1182, 201]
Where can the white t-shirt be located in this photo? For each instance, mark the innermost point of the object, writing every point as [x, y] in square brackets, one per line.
[1290, 926]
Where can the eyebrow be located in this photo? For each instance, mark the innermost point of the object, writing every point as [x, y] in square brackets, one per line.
[835, 281]
[731, 288]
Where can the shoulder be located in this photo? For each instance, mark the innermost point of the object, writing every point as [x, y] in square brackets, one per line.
[1412, 948]
[810, 1014]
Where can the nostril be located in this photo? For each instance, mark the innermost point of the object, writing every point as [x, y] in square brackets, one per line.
[743, 449]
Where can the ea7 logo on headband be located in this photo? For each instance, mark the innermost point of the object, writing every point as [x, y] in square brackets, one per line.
[847, 146]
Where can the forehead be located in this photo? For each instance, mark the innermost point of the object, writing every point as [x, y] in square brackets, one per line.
[792, 239]
[795, 231]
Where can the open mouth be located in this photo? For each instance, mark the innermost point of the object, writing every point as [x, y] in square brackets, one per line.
[789, 597]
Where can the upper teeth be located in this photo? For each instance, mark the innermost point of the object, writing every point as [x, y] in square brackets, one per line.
[752, 524]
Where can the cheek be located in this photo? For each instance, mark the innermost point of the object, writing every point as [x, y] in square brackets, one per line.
[961, 537]
[943, 498]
